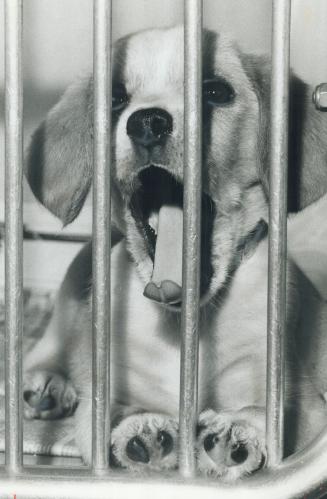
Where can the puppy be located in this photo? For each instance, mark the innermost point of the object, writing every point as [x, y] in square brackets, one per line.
[147, 177]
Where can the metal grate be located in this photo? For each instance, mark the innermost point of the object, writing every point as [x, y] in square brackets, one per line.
[281, 480]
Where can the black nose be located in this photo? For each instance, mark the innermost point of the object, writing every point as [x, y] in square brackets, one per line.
[149, 127]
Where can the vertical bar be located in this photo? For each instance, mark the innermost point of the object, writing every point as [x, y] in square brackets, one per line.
[13, 234]
[101, 234]
[277, 228]
[191, 233]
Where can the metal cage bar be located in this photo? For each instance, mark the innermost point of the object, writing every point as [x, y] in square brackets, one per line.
[101, 234]
[277, 228]
[13, 234]
[191, 233]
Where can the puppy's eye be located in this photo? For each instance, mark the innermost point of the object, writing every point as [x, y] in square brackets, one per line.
[217, 92]
[119, 97]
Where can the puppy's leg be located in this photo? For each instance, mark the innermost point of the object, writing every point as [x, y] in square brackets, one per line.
[231, 444]
[48, 393]
[140, 441]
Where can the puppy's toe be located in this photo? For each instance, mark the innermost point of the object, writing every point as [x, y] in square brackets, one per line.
[229, 447]
[145, 442]
[47, 395]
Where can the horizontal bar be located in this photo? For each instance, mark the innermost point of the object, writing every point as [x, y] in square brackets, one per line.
[301, 475]
[13, 234]
[191, 234]
[277, 228]
[33, 235]
[101, 234]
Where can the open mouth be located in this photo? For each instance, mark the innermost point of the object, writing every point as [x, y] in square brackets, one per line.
[157, 207]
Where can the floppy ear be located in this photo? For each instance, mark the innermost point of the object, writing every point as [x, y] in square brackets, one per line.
[307, 169]
[58, 163]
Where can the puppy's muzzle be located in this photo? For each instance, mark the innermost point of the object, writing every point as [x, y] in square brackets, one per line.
[157, 208]
[149, 127]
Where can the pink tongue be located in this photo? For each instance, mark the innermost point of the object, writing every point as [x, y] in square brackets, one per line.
[166, 282]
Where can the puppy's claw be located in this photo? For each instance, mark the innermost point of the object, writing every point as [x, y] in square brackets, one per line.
[48, 396]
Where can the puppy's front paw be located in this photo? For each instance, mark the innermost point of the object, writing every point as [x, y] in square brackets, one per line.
[229, 445]
[47, 395]
[145, 442]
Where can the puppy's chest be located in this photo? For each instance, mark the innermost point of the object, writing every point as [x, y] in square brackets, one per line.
[146, 347]
[145, 364]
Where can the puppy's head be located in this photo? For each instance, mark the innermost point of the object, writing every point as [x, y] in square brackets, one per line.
[147, 171]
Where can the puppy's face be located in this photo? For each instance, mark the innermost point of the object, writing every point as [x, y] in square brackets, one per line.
[148, 145]
[148, 115]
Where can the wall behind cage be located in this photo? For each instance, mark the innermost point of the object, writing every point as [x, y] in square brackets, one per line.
[58, 33]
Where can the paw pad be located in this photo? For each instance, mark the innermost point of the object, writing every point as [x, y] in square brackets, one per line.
[166, 442]
[136, 450]
[210, 441]
[239, 453]
[48, 396]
